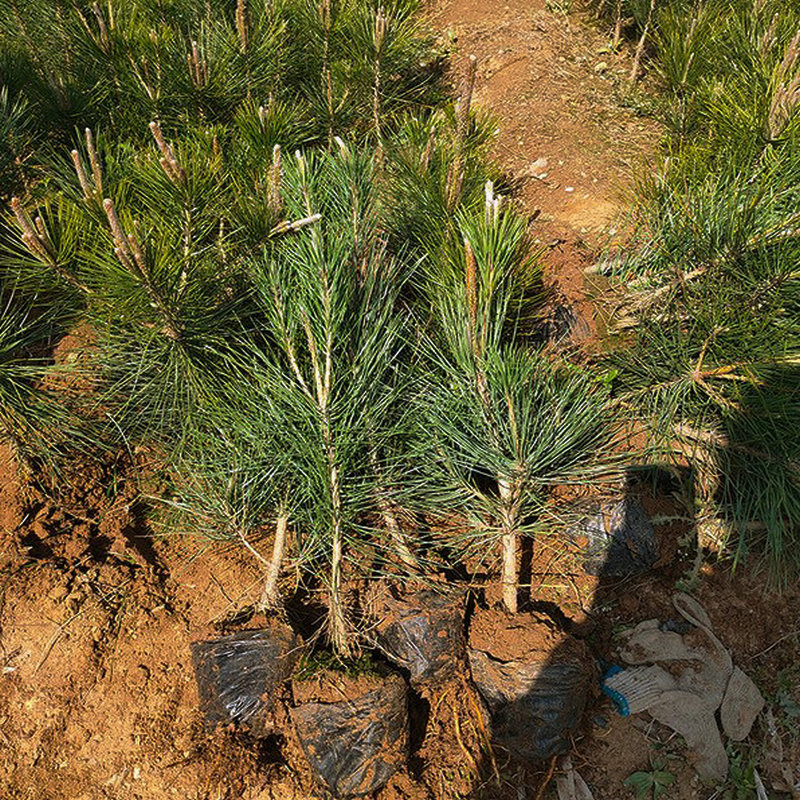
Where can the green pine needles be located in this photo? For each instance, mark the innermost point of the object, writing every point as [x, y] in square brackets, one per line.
[713, 370]
[304, 292]
[32, 422]
[328, 299]
[505, 423]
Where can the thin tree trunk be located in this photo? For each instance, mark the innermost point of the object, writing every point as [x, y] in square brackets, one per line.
[398, 537]
[509, 492]
[337, 627]
[509, 547]
[509, 579]
[270, 598]
[390, 518]
[640, 47]
[323, 372]
[617, 26]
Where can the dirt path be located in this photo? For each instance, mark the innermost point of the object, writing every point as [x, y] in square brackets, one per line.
[564, 137]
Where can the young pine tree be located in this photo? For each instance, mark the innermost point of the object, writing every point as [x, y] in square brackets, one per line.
[503, 424]
[328, 298]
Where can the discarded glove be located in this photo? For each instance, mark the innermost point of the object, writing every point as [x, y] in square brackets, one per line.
[687, 678]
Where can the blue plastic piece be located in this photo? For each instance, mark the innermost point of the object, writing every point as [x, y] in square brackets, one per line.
[619, 699]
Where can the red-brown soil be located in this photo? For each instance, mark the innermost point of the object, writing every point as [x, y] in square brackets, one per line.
[97, 697]
[564, 138]
[510, 638]
[98, 700]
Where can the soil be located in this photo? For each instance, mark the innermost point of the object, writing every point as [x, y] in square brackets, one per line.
[520, 637]
[97, 610]
[566, 139]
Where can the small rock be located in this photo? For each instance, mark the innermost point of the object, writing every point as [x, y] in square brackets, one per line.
[601, 66]
[569, 188]
[58, 593]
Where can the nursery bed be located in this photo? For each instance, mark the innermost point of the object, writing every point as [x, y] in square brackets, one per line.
[97, 614]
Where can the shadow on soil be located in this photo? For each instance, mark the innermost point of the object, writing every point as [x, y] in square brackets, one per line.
[539, 702]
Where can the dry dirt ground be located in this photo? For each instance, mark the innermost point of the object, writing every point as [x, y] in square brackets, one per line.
[97, 697]
[565, 138]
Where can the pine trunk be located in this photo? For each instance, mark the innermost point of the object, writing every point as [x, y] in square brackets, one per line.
[509, 546]
[270, 598]
[337, 628]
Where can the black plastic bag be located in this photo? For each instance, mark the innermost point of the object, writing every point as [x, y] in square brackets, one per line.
[240, 675]
[424, 633]
[534, 705]
[355, 746]
[620, 540]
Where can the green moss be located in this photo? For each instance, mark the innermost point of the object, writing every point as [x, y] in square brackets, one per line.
[319, 661]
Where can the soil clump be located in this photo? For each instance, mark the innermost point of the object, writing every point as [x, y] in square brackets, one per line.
[534, 680]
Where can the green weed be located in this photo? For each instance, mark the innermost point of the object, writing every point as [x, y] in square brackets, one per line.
[652, 784]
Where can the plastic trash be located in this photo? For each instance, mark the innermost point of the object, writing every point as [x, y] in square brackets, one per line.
[355, 746]
[617, 540]
[533, 705]
[240, 675]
